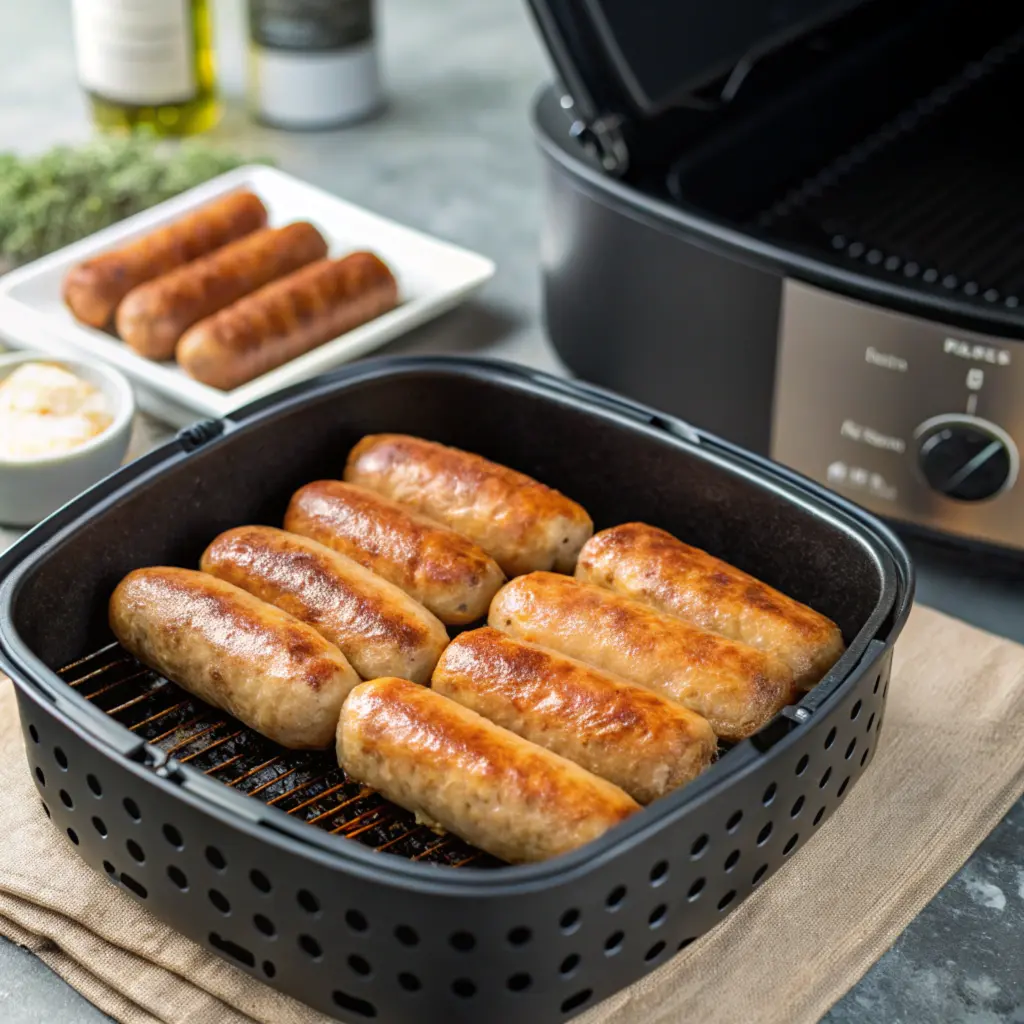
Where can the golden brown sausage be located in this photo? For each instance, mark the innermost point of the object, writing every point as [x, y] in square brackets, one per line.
[444, 571]
[93, 289]
[631, 736]
[254, 661]
[155, 315]
[522, 524]
[456, 770]
[380, 629]
[650, 565]
[736, 688]
[286, 319]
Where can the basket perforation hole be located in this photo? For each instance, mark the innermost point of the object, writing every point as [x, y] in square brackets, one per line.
[46, 810]
[727, 899]
[654, 952]
[855, 710]
[260, 880]
[178, 877]
[360, 965]
[215, 858]
[520, 936]
[61, 758]
[878, 724]
[871, 722]
[34, 733]
[696, 889]
[613, 943]
[864, 757]
[309, 903]
[73, 836]
[65, 799]
[353, 1004]
[101, 828]
[830, 738]
[765, 834]
[790, 844]
[659, 873]
[574, 1002]
[268, 968]
[842, 786]
[110, 870]
[135, 851]
[851, 747]
[823, 782]
[769, 795]
[219, 900]
[569, 964]
[356, 921]
[173, 836]
[684, 943]
[798, 806]
[734, 821]
[616, 898]
[699, 846]
[732, 860]
[759, 874]
[132, 809]
[94, 785]
[657, 916]
[136, 887]
[409, 982]
[885, 692]
[233, 949]
[462, 941]
[878, 682]
[818, 816]
[464, 988]
[801, 765]
[310, 947]
[569, 922]
[521, 982]
[40, 775]
[407, 936]
[264, 925]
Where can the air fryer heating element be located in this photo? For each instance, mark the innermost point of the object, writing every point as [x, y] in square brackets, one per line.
[308, 785]
[933, 198]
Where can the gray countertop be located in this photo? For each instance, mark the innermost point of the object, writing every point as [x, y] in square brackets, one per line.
[452, 155]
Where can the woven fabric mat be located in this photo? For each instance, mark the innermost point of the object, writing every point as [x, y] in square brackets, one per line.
[949, 765]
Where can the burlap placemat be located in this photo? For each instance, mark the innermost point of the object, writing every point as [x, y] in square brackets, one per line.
[949, 766]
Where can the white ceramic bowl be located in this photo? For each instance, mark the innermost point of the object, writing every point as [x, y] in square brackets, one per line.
[32, 489]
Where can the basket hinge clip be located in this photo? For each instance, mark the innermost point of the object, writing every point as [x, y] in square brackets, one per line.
[195, 436]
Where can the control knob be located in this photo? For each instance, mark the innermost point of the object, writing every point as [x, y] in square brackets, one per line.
[965, 458]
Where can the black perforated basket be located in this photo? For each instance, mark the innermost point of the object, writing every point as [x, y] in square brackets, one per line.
[282, 865]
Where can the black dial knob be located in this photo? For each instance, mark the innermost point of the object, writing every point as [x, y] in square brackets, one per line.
[965, 459]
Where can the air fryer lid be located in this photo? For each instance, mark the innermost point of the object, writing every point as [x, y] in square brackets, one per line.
[640, 60]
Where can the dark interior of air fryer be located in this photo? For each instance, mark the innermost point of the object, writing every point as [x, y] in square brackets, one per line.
[618, 473]
[886, 142]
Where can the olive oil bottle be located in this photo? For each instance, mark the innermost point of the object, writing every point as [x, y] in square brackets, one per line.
[147, 64]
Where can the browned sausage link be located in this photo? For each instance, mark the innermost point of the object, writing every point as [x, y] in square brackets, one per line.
[154, 316]
[521, 523]
[444, 571]
[643, 742]
[287, 318]
[735, 687]
[253, 660]
[379, 628]
[650, 565]
[456, 770]
[93, 289]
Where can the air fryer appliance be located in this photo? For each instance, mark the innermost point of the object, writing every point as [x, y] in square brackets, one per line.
[799, 225]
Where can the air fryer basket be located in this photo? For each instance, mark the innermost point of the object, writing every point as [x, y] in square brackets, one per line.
[213, 829]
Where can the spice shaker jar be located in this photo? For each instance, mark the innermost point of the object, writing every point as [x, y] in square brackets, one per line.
[313, 63]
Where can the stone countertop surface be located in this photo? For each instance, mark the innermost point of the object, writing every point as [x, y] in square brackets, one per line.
[453, 155]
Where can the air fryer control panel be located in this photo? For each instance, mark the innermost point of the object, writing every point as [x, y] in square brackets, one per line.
[912, 419]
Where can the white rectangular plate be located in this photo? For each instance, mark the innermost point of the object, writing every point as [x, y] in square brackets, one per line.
[433, 276]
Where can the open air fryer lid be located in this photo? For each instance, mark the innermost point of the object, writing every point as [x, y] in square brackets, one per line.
[625, 64]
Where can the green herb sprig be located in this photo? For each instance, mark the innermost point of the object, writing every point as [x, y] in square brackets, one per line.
[51, 200]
